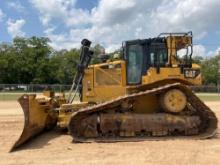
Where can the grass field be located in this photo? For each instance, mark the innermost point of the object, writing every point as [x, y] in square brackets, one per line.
[10, 96]
[209, 96]
[203, 96]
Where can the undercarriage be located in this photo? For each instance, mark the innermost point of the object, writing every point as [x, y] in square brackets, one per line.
[110, 121]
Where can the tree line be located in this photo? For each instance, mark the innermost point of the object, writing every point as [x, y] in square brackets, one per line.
[210, 68]
[33, 61]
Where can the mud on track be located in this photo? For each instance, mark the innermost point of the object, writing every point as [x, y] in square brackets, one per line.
[56, 148]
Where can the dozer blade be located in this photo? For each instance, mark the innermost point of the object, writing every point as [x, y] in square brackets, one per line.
[38, 116]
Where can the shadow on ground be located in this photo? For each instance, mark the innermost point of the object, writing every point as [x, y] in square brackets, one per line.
[41, 140]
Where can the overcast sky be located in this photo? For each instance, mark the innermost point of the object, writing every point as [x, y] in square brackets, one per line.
[109, 22]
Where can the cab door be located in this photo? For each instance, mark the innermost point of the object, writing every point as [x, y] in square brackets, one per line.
[134, 55]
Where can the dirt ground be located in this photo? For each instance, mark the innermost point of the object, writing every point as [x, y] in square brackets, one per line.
[56, 148]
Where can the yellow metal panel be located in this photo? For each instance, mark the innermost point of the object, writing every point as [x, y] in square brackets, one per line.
[103, 82]
[65, 112]
[109, 76]
[146, 104]
[107, 93]
[168, 73]
[88, 84]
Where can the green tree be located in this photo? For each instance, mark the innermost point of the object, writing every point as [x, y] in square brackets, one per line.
[210, 70]
[64, 64]
[197, 59]
[34, 56]
[25, 61]
[8, 64]
[98, 50]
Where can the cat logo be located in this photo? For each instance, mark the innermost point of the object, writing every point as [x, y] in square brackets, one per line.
[191, 73]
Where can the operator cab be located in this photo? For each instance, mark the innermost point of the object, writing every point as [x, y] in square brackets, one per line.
[160, 52]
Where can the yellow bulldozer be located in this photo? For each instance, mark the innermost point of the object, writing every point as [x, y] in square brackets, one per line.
[142, 95]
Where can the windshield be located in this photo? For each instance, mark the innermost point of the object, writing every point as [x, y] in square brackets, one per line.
[158, 54]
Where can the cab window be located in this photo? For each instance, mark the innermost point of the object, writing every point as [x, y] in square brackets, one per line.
[134, 65]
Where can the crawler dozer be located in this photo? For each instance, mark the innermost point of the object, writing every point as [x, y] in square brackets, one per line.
[142, 94]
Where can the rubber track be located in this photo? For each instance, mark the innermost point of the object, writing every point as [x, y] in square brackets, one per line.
[208, 118]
